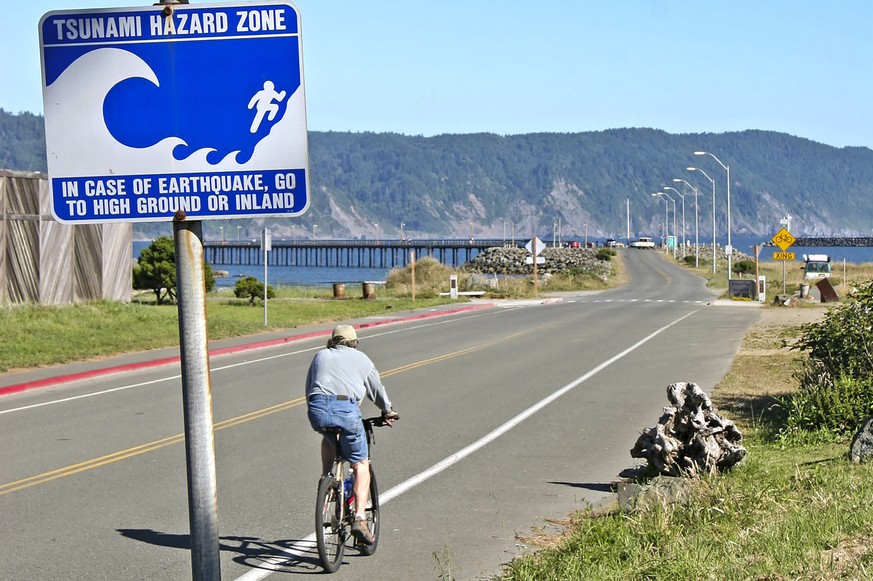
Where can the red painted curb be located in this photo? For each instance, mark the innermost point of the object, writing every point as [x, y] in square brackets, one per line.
[50, 381]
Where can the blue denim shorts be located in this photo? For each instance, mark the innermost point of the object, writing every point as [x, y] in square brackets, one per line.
[325, 412]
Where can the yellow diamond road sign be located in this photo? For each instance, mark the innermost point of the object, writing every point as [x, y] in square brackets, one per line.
[783, 239]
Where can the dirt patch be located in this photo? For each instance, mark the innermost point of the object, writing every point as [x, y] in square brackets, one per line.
[762, 371]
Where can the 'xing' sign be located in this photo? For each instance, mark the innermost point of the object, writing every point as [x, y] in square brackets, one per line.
[154, 110]
[783, 239]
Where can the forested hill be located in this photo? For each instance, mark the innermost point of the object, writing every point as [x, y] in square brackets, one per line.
[455, 185]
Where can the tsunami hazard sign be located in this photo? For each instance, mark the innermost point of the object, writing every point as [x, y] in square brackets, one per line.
[155, 110]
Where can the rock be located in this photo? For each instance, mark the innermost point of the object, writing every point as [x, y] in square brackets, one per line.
[663, 490]
[861, 449]
[511, 260]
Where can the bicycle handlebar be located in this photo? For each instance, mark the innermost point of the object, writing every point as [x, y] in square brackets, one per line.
[378, 421]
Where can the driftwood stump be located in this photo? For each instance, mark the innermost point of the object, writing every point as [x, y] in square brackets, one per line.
[690, 438]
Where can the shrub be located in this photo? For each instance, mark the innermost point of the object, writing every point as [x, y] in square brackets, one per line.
[836, 379]
[604, 254]
[431, 278]
[743, 267]
[251, 288]
[836, 405]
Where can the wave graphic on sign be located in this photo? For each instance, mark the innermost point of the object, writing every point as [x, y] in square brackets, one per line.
[79, 94]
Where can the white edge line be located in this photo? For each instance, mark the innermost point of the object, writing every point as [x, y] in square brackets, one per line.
[269, 566]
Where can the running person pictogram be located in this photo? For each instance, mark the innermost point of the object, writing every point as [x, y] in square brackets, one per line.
[263, 103]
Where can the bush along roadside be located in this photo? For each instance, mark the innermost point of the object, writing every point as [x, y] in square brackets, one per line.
[836, 376]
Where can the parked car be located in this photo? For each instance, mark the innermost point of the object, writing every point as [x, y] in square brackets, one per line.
[816, 266]
[643, 242]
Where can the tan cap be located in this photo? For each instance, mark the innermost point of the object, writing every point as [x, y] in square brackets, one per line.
[345, 332]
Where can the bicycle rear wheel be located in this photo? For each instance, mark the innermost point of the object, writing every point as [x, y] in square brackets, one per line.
[330, 530]
[372, 515]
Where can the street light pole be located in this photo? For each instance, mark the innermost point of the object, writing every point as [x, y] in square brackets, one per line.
[684, 234]
[675, 234]
[662, 196]
[730, 249]
[696, 223]
[712, 181]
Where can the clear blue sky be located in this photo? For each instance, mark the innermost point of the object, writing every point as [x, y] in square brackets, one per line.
[796, 66]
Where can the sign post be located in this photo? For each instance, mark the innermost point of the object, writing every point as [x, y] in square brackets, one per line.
[267, 245]
[535, 246]
[197, 401]
[783, 239]
[183, 113]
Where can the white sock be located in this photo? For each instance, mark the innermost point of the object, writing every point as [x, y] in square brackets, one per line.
[359, 516]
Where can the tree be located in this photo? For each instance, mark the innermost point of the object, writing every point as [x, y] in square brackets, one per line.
[156, 270]
[251, 288]
[742, 267]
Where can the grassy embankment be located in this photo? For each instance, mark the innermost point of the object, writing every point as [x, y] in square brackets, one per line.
[35, 336]
[797, 508]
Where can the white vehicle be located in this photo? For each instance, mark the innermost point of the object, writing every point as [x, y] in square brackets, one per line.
[643, 242]
[816, 266]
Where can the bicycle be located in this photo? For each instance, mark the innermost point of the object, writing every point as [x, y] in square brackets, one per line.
[335, 506]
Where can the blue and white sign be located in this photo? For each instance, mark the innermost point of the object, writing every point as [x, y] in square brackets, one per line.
[193, 108]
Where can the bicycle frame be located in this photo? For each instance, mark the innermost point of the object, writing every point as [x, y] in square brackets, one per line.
[339, 463]
[335, 512]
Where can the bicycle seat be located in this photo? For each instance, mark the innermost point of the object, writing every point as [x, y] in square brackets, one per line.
[331, 431]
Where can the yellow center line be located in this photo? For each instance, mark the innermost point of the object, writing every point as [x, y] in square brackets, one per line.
[178, 438]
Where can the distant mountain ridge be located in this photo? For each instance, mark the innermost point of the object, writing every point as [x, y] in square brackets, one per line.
[485, 185]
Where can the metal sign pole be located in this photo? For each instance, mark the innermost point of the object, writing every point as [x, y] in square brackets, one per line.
[266, 245]
[197, 400]
[535, 253]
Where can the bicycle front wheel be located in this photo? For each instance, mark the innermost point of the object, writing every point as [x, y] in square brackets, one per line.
[330, 530]
[372, 515]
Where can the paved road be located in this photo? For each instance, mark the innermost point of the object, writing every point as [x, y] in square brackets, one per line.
[511, 416]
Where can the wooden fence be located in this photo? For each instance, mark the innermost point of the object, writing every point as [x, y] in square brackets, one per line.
[46, 262]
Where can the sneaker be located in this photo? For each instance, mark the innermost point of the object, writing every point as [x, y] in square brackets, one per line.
[362, 533]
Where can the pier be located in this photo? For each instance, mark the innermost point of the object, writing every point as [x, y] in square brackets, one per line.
[347, 253]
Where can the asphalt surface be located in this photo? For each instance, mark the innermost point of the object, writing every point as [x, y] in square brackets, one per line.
[513, 414]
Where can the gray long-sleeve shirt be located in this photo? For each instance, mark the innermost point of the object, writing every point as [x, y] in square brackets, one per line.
[346, 371]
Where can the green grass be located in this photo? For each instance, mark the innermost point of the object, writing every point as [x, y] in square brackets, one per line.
[797, 513]
[35, 336]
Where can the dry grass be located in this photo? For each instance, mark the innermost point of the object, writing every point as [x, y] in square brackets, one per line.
[763, 368]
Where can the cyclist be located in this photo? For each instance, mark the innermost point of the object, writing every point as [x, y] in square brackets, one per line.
[339, 378]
